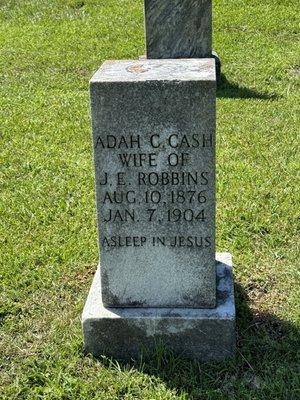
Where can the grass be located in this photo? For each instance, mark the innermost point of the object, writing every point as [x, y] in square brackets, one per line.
[49, 50]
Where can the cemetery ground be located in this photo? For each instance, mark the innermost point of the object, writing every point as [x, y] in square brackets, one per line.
[49, 50]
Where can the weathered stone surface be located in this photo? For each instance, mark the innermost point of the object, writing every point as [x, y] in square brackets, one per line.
[178, 28]
[218, 66]
[154, 152]
[203, 334]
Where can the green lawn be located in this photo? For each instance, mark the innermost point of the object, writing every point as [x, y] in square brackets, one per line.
[48, 52]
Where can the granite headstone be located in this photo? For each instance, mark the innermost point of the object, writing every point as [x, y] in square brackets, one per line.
[178, 28]
[154, 153]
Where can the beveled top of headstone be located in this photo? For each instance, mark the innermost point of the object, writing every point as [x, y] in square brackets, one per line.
[163, 70]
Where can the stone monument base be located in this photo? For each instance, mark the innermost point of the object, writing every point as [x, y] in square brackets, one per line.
[200, 334]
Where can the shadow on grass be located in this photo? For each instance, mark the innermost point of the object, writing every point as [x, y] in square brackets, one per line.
[265, 364]
[227, 89]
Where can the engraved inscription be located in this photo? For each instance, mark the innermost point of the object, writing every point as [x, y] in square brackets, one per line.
[156, 182]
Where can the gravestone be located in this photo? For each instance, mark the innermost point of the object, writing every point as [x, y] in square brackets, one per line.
[154, 155]
[155, 184]
[178, 28]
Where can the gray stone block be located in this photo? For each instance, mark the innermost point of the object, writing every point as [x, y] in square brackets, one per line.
[126, 333]
[154, 152]
[178, 28]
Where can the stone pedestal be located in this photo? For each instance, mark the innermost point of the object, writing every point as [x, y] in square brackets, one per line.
[128, 333]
